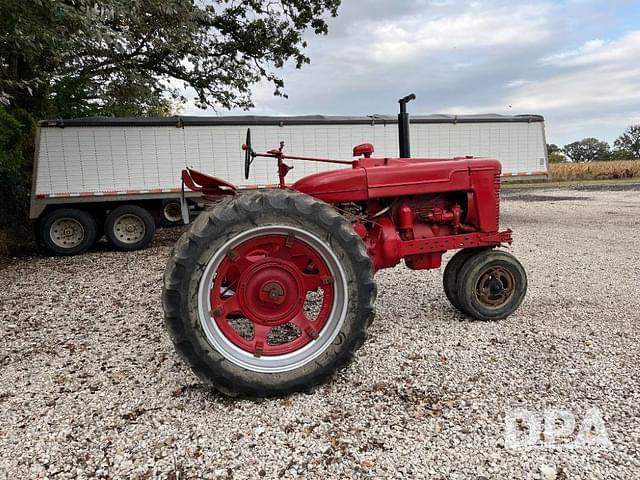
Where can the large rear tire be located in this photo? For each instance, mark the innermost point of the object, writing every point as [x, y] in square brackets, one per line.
[68, 231]
[268, 293]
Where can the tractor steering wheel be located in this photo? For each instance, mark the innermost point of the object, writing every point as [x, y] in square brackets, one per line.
[249, 154]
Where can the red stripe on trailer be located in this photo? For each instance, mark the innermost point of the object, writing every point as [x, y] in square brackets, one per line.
[41, 196]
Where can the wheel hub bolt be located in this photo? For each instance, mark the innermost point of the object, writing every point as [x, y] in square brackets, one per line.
[274, 292]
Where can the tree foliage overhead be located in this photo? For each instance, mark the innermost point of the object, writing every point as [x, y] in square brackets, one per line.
[81, 57]
[628, 144]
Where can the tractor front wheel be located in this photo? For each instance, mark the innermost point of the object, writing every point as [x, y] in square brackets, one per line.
[450, 275]
[491, 285]
[268, 293]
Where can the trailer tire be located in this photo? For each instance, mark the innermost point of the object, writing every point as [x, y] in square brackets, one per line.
[491, 285]
[68, 231]
[232, 232]
[130, 227]
[171, 213]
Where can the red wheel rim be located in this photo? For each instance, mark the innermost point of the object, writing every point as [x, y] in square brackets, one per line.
[266, 280]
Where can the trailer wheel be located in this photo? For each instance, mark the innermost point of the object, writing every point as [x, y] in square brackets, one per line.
[68, 231]
[450, 275]
[130, 227]
[268, 293]
[171, 213]
[491, 285]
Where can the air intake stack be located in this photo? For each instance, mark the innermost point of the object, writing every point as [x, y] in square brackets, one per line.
[403, 126]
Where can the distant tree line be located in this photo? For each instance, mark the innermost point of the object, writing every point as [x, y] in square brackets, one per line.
[626, 147]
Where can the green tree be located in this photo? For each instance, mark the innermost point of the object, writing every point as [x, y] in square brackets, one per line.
[587, 150]
[555, 154]
[621, 155]
[557, 157]
[553, 148]
[16, 148]
[82, 57]
[629, 143]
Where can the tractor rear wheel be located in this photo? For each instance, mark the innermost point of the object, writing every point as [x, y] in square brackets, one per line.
[268, 293]
[491, 285]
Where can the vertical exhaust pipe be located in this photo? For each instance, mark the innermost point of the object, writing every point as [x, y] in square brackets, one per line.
[403, 126]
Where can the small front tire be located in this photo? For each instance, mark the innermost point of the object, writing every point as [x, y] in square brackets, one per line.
[450, 275]
[491, 285]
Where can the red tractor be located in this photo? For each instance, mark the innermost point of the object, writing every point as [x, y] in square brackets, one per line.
[272, 290]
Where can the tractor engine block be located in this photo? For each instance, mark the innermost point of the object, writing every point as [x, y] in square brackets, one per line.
[428, 216]
[414, 218]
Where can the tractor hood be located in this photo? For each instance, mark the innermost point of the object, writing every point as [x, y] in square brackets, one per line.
[335, 186]
[376, 178]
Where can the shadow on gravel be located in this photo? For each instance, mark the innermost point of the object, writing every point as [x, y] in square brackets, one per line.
[622, 187]
[529, 197]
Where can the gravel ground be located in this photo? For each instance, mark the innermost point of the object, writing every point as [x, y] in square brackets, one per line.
[90, 385]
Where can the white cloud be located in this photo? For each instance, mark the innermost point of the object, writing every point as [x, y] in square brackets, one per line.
[397, 41]
[598, 83]
[601, 74]
[517, 83]
[562, 57]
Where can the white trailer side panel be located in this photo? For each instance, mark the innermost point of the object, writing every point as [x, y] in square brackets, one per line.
[104, 158]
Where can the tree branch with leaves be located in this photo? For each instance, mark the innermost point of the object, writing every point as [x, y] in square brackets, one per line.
[77, 57]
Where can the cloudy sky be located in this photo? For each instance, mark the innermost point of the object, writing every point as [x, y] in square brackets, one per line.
[577, 62]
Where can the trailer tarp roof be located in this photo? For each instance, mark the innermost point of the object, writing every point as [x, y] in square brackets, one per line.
[282, 121]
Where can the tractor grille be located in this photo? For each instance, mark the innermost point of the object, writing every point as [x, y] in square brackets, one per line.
[496, 186]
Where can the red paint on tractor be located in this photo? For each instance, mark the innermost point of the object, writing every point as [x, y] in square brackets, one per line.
[348, 185]
[266, 280]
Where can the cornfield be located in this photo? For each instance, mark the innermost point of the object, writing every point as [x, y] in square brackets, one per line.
[595, 170]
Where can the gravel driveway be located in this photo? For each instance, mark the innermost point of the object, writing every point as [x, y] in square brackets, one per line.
[90, 385]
